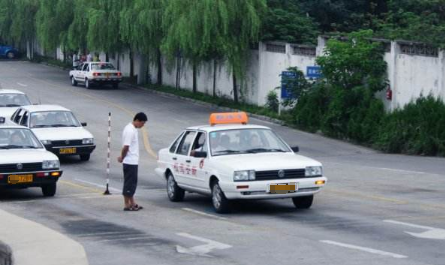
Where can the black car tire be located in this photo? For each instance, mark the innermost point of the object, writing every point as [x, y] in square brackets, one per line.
[303, 202]
[73, 81]
[87, 83]
[85, 157]
[115, 85]
[10, 55]
[219, 200]
[49, 190]
[174, 192]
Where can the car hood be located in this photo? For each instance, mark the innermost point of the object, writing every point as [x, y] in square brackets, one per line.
[62, 133]
[7, 111]
[12, 156]
[265, 161]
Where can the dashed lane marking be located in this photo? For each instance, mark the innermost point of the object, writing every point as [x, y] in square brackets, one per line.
[204, 214]
[364, 249]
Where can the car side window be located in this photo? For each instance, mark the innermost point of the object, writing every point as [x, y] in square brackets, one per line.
[85, 68]
[175, 144]
[200, 142]
[18, 116]
[24, 120]
[186, 142]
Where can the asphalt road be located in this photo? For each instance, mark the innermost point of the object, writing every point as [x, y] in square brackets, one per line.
[376, 209]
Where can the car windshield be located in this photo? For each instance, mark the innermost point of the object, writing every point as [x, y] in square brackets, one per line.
[18, 138]
[244, 141]
[102, 66]
[53, 119]
[13, 100]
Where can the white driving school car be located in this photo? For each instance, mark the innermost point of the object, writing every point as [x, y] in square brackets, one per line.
[10, 100]
[230, 160]
[24, 161]
[90, 73]
[58, 130]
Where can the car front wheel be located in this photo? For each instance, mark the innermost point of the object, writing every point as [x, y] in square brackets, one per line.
[10, 55]
[73, 81]
[219, 200]
[87, 84]
[49, 190]
[174, 192]
[303, 202]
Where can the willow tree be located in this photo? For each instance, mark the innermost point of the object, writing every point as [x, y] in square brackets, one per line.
[244, 27]
[6, 13]
[53, 19]
[77, 31]
[197, 30]
[23, 21]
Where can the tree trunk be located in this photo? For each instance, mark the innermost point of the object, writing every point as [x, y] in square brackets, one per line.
[159, 65]
[178, 72]
[131, 64]
[195, 77]
[235, 89]
[107, 57]
[215, 64]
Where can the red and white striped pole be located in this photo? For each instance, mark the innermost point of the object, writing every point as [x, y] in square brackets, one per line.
[107, 191]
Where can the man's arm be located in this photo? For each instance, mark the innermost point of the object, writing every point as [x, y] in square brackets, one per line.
[123, 153]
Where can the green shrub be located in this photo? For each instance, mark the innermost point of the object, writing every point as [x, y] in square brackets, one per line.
[272, 101]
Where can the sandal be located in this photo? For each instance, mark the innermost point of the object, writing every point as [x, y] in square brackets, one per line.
[131, 209]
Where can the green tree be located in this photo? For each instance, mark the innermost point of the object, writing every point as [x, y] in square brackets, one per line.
[6, 14]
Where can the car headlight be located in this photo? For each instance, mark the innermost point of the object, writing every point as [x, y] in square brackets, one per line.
[88, 141]
[46, 142]
[313, 171]
[244, 175]
[50, 164]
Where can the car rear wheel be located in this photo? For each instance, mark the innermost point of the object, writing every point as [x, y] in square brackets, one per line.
[73, 81]
[115, 85]
[174, 192]
[84, 157]
[303, 202]
[219, 200]
[49, 190]
[10, 55]
[87, 84]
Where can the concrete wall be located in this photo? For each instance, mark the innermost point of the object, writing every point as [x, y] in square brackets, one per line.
[412, 71]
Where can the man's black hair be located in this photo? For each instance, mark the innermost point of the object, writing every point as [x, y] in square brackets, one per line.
[140, 117]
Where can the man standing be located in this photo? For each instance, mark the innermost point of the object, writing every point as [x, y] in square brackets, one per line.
[130, 159]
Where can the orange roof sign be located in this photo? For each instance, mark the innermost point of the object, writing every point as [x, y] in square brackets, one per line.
[228, 118]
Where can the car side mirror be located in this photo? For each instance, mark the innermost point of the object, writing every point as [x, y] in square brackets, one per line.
[199, 154]
[84, 124]
[296, 149]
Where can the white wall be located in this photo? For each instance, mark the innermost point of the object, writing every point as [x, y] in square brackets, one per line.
[409, 76]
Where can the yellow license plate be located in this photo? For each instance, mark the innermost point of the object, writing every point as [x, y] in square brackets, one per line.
[64, 151]
[282, 188]
[16, 179]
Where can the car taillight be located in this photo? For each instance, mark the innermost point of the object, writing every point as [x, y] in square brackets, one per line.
[96, 74]
[119, 74]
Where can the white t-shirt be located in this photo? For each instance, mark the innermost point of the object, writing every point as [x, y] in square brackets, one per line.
[130, 137]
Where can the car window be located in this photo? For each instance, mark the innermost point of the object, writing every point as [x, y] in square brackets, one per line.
[186, 142]
[102, 66]
[13, 100]
[16, 138]
[18, 115]
[53, 119]
[175, 144]
[24, 120]
[85, 68]
[200, 142]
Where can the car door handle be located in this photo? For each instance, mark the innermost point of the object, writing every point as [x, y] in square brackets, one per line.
[175, 158]
[188, 161]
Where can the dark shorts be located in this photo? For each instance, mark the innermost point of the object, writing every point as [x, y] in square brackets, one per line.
[130, 180]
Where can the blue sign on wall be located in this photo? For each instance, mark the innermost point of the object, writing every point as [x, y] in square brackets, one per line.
[287, 76]
[313, 72]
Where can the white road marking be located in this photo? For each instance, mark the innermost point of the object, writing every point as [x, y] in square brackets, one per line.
[23, 85]
[369, 250]
[391, 169]
[98, 185]
[204, 214]
[201, 250]
[431, 233]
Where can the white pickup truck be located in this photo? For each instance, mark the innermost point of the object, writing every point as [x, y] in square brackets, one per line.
[90, 73]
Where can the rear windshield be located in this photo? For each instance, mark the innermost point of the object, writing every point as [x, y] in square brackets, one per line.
[102, 66]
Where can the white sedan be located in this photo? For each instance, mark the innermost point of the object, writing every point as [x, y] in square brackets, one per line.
[58, 129]
[91, 73]
[24, 161]
[237, 161]
[10, 100]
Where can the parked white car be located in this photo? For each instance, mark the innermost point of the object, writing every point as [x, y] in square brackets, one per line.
[10, 100]
[91, 73]
[24, 161]
[58, 129]
[237, 161]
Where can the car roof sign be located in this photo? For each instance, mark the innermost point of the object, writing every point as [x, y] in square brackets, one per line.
[228, 118]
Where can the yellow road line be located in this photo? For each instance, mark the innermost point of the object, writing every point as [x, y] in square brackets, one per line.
[145, 135]
[80, 186]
